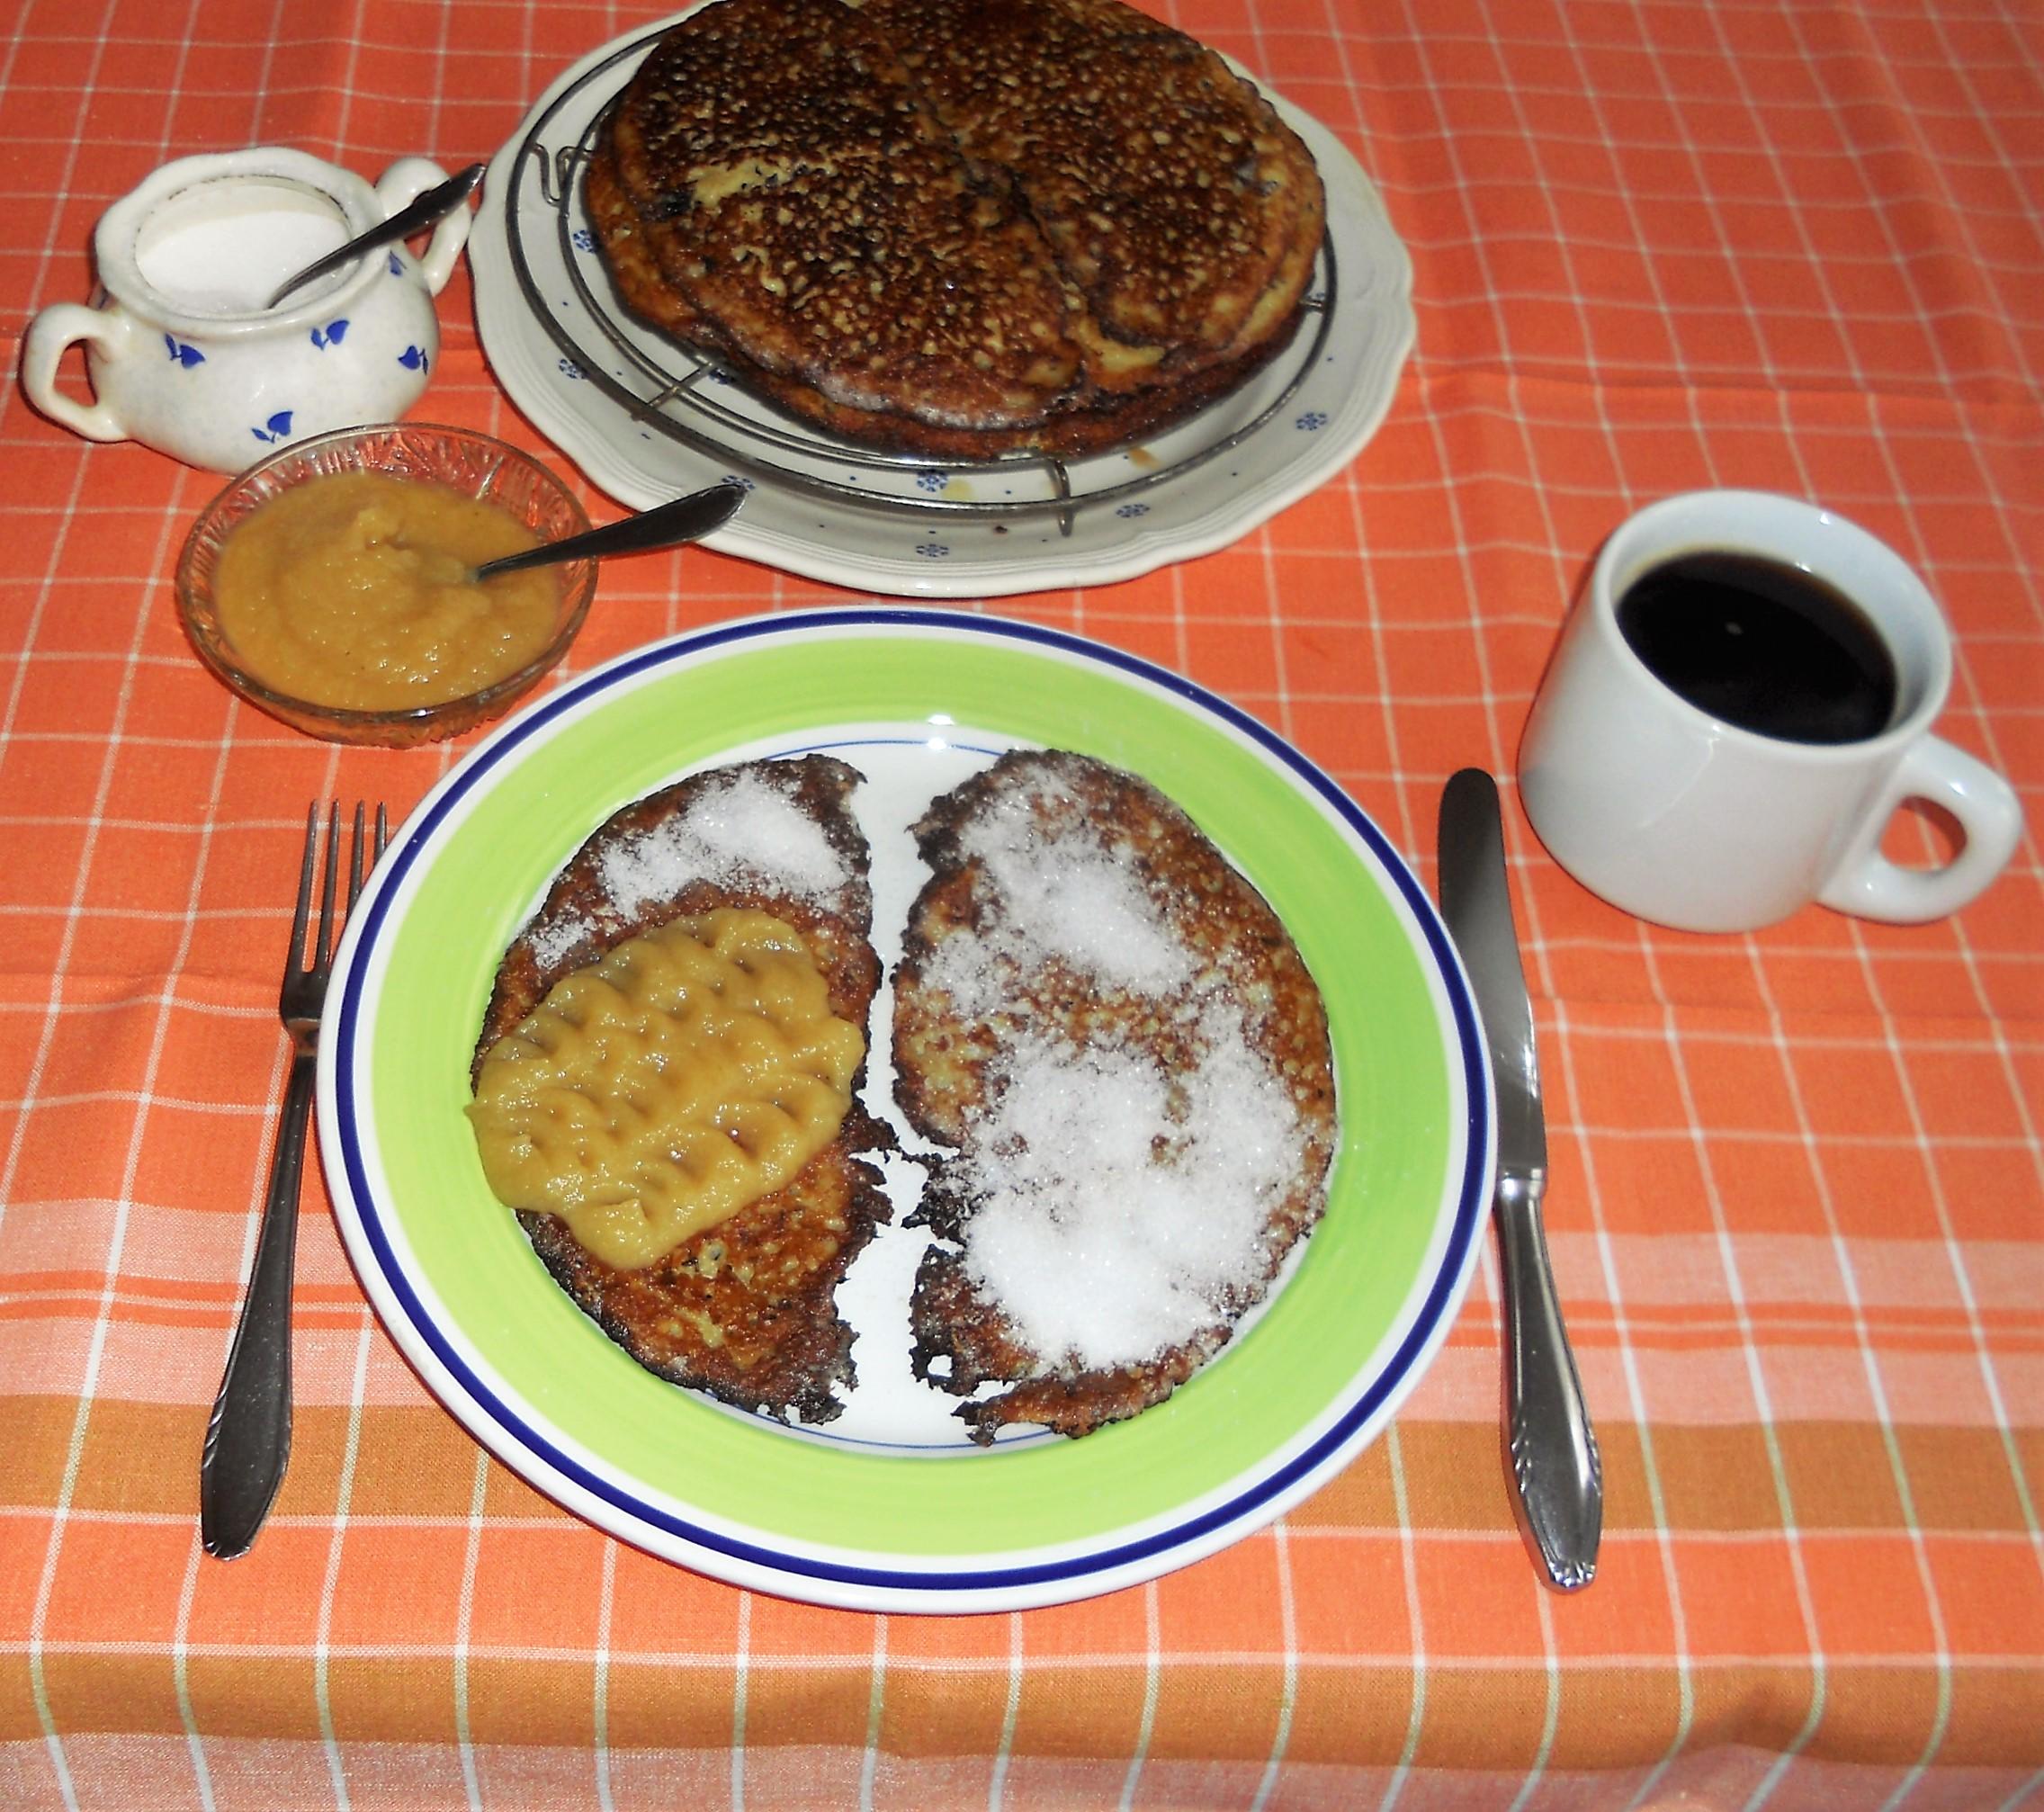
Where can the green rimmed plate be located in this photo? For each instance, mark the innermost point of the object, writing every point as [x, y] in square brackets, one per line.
[891, 1507]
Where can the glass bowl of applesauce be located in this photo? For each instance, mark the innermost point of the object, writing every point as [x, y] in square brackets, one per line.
[331, 585]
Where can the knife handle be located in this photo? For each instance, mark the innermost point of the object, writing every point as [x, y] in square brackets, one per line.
[1554, 1453]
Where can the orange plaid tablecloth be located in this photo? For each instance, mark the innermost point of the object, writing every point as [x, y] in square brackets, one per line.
[1797, 1207]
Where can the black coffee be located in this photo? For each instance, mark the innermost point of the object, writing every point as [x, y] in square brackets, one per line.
[1762, 645]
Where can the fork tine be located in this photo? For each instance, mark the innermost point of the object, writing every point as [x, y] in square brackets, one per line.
[304, 908]
[366, 856]
[326, 944]
[356, 866]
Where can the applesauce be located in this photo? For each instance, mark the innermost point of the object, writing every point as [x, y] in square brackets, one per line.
[352, 590]
[687, 1073]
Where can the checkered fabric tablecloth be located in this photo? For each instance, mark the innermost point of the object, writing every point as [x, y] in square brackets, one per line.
[1798, 1204]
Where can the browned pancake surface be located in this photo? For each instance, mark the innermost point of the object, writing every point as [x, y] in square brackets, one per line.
[958, 228]
[948, 1067]
[744, 1310]
[1184, 210]
[813, 212]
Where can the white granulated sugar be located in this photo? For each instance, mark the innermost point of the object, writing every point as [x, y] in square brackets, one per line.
[1060, 891]
[737, 830]
[1111, 1227]
[549, 942]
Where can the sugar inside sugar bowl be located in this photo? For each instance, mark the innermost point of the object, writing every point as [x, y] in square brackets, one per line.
[184, 354]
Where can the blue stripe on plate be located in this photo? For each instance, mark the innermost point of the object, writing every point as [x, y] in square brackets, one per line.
[1469, 1212]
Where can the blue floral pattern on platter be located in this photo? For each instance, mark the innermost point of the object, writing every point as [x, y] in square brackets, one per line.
[856, 524]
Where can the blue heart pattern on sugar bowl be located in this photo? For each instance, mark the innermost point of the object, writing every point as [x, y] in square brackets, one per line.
[183, 356]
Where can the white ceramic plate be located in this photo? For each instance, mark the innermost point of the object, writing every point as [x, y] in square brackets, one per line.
[891, 1507]
[1167, 500]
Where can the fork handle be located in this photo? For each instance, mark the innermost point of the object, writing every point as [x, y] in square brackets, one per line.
[249, 1438]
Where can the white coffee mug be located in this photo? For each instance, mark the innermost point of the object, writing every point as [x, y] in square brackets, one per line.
[1680, 817]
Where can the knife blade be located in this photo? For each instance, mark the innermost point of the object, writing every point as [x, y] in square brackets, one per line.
[1556, 1465]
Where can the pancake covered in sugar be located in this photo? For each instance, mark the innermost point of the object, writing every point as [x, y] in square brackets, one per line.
[1118, 1041]
[745, 1309]
[958, 228]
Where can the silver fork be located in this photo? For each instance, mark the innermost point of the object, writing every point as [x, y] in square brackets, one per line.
[248, 1437]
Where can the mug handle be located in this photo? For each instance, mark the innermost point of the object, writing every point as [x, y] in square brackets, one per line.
[404, 182]
[50, 335]
[1869, 884]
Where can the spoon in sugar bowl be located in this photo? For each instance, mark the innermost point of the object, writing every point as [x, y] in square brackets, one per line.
[182, 351]
[427, 211]
[668, 525]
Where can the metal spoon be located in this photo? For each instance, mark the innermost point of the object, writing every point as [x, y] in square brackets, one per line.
[669, 524]
[443, 198]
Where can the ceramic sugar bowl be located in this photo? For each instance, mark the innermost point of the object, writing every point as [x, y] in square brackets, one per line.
[182, 352]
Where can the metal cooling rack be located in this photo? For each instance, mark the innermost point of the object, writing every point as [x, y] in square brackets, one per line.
[677, 394]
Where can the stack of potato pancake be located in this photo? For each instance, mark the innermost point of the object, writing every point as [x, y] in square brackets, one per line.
[958, 228]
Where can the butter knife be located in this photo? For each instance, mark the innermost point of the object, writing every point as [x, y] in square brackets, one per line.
[1554, 1461]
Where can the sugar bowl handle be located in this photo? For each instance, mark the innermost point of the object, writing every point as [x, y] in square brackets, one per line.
[404, 182]
[52, 333]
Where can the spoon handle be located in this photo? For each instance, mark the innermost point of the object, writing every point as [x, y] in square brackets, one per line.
[687, 518]
[442, 198]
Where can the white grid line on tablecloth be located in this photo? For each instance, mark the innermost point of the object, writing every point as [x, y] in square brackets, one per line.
[1786, 1057]
[323, 1649]
[1955, 1252]
[1532, 928]
[1624, 1322]
[111, 1263]
[1786, 1326]
[1985, 117]
[1756, 1376]
[181, 1678]
[465, 1619]
[1010, 1715]
[741, 1682]
[1784, 106]
[1764, 1421]
[1605, 1664]
[1152, 1648]
[607, 1608]
[1623, 1327]
[1870, 1361]
[876, 1705]
[1415, 1611]
[1288, 1687]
